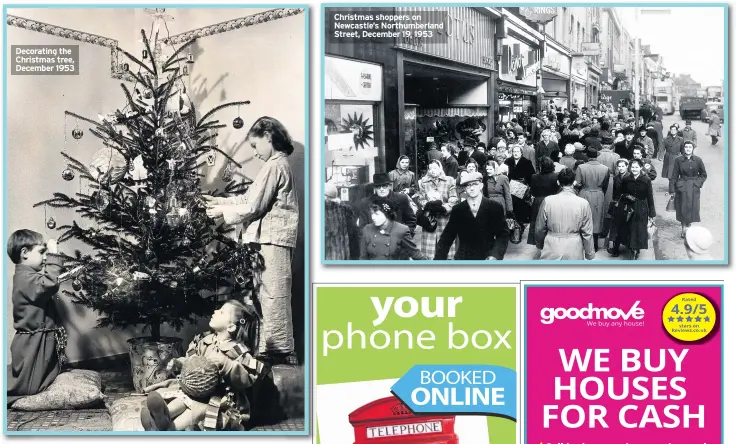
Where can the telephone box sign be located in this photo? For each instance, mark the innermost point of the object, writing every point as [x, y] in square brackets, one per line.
[389, 421]
[418, 428]
[538, 15]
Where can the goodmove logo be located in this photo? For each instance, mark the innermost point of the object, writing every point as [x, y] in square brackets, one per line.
[591, 312]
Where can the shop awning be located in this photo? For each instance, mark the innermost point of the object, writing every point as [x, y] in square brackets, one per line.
[510, 88]
[452, 112]
[553, 76]
[560, 94]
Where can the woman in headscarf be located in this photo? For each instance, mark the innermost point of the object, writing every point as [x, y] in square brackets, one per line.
[637, 190]
[497, 187]
[543, 184]
[437, 194]
[402, 178]
[522, 170]
[617, 212]
[688, 177]
[714, 127]
[673, 147]
[384, 238]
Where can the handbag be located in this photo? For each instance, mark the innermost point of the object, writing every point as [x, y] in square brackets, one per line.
[515, 230]
[671, 204]
[427, 220]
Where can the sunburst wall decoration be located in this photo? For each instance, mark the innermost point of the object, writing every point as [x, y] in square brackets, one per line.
[362, 132]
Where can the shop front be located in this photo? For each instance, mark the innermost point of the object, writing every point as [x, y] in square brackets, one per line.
[556, 76]
[389, 421]
[579, 83]
[353, 106]
[447, 93]
[517, 79]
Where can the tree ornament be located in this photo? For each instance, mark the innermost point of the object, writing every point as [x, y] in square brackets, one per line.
[126, 67]
[173, 220]
[77, 133]
[186, 71]
[190, 58]
[108, 164]
[76, 285]
[159, 132]
[240, 279]
[227, 175]
[67, 174]
[150, 255]
[145, 53]
[237, 123]
[186, 242]
[102, 199]
[211, 158]
[51, 223]
[148, 94]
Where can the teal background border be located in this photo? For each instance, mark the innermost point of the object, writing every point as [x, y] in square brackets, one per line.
[523, 262]
[307, 305]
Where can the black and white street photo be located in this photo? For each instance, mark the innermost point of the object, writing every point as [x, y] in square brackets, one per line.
[155, 176]
[525, 134]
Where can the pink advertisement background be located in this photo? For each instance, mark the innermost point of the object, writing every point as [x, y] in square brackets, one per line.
[701, 366]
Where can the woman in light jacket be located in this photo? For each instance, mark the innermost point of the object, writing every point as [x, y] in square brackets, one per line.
[714, 127]
[270, 212]
[437, 194]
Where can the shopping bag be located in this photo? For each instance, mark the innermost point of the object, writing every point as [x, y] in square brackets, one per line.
[671, 204]
[518, 189]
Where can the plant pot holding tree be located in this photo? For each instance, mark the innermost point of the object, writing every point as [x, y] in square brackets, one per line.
[156, 258]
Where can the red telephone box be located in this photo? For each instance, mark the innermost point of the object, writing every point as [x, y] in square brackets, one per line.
[389, 421]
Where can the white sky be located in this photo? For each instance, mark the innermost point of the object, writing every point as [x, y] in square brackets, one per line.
[690, 39]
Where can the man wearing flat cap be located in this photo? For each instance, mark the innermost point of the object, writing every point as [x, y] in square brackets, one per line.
[688, 133]
[383, 187]
[478, 223]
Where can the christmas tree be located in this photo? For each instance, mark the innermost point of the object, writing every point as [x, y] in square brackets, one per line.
[157, 259]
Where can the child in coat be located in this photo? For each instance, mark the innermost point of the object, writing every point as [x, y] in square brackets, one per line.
[227, 406]
[34, 353]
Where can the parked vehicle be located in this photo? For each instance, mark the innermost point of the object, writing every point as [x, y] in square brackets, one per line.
[691, 107]
[710, 106]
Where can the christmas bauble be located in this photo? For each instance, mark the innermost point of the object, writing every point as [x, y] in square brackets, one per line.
[108, 164]
[67, 174]
[186, 242]
[77, 133]
[51, 223]
[237, 123]
[173, 220]
[102, 199]
[148, 94]
[76, 285]
[150, 255]
[199, 377]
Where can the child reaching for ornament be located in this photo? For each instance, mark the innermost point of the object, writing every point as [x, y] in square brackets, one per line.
[210, 390]
[37, 348]
[269, 211]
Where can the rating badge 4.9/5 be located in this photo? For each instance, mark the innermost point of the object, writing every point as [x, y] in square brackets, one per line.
[689, 317]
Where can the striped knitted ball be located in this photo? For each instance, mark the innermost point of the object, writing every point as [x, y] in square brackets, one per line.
[199, 377]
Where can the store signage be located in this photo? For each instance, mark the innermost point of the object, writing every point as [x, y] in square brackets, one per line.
[417, 428]
[519, 63]
[538, 15]
[591, 48]
[347, 79]
[467, 36]
[556, 61]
